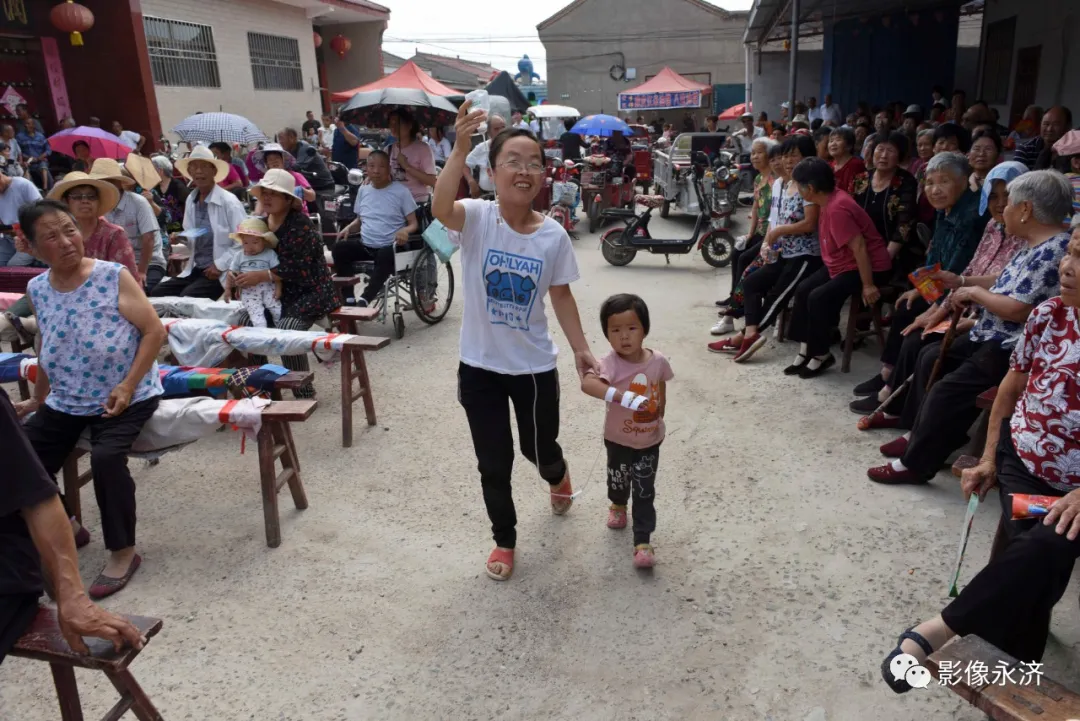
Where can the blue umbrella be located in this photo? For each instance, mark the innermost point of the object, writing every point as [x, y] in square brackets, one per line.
[603, 125]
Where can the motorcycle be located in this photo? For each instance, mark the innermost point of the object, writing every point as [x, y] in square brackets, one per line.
[605, 187]
[620, 246]
[565, 194]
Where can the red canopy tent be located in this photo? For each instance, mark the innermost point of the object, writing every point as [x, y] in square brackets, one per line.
[409, 76]
[666, 91]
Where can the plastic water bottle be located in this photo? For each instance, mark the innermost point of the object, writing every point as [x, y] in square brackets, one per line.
[480, 101]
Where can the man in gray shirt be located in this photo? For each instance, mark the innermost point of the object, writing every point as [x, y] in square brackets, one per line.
[14, 193]
[134, 214]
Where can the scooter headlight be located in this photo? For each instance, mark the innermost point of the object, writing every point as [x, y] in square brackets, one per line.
[723, 173]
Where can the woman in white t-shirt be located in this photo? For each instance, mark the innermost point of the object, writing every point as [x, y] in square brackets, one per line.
[511, 258]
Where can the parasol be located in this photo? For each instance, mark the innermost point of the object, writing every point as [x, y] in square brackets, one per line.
[103, 144]
[218, 127]
[603, 125]
[736, 111]
[371, 107]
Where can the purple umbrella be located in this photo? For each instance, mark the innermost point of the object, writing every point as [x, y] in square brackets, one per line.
[103, 144]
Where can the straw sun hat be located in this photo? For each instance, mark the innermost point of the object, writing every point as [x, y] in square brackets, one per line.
[280, 181]
[109, 169]
[257, 227]
[108, 195]
[204, 154]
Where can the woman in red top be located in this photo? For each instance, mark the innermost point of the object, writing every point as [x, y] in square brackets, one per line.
[845, 164]
[855, 257]
[1008, 603]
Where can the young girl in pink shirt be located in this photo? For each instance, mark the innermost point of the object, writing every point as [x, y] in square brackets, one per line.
[633, 380]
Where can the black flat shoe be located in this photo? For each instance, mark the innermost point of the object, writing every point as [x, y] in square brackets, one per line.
[828, 362]
[870, 387]
[723, 303]
[865, 406]
[900, 685]
[798, 365]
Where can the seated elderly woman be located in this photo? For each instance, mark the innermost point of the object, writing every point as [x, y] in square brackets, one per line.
[96, 372]
[855, 258]
[845, 164]
[924, 150]
[759, 213]
[768, 254]
[995, 250]
[170, 194]
[272, 155]
[1009, 602]
[211, 213]
[957, 231]
[939, 418]
[888, 193]
[307, 292]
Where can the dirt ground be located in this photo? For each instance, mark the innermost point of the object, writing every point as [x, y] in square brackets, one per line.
[783, 575]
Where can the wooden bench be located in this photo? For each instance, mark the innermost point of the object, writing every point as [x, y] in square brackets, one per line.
[275, 442]
[345, 283]
[1047, 701]
[44, 642]
[857, 312]
[355, 381]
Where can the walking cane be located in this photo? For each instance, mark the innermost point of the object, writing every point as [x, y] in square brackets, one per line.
[945, 344]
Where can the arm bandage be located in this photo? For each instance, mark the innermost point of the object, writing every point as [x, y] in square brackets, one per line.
[629, 400]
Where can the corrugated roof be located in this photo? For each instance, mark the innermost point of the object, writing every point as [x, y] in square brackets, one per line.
[482, 71]
[771, 19]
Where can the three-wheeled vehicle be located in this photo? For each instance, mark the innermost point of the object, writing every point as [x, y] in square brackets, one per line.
[603, 187]
[671, 168]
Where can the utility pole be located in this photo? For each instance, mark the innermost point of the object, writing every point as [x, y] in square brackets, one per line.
[794, 70]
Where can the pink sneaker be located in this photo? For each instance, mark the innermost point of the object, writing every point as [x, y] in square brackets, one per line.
[616, 517]
[644, 556]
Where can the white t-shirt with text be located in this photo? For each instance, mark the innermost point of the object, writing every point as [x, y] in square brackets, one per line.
[506, 277]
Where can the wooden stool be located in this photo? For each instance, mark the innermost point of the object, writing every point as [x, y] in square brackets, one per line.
[344, 283]
[43, 642]
[858, 311]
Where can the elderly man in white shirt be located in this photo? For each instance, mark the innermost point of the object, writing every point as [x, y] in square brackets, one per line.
[478, 160]
[831, 112]
[210, 215]
[743, 138]
[813, 111]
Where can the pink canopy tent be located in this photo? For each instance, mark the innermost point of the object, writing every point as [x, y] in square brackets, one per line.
[666, 91]
[409, 76]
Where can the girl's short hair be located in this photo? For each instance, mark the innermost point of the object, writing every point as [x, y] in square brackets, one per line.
[803, 143]
[505, 136]
[620, 304]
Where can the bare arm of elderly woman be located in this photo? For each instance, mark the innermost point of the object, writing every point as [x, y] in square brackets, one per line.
[443, 204]
[983, 477]
[136, 309]
[870, 292]
[1002, 306]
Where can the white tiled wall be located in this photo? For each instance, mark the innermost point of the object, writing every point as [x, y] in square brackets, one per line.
[231, 21]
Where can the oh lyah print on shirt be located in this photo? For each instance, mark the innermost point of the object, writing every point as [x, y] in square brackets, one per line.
[511, 282]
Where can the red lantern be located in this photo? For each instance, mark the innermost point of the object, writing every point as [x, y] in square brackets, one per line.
[340, 45]
[317, 39]
[71, 17]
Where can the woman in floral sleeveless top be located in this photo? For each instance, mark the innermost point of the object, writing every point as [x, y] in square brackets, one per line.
[96, 371]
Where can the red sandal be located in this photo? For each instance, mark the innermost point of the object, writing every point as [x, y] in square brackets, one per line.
[562, 495]
[503, 557]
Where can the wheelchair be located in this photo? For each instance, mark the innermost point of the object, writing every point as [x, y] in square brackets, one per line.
[421, 283]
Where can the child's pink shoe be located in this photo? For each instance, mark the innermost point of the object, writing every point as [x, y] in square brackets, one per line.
[643, 556]
[616, 517]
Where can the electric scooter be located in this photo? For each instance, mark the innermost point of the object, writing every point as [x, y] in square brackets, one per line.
[620, 246]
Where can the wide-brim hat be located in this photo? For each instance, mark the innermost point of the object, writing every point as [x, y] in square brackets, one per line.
[1068, 144]
[913, 110]
[800, 118]
[203, 154]
[108, 195]
[279, 181]
[143, 170]
[109, 169]
[258, 158]
[257, 227]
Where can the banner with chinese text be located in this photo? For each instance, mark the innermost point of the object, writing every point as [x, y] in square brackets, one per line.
[660, 101]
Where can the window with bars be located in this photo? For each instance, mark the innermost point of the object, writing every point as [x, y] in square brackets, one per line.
[275, 62]
[181, 53]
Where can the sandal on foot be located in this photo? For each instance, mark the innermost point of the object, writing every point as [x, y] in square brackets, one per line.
[562, 496]
[901, 685]
[644, 556]
[503, 561]
[107, 585]
[616, 517]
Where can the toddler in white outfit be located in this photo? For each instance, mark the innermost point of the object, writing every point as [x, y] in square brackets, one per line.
[257, 256]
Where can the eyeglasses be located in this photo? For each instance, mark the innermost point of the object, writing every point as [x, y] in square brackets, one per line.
[82, 196]
[518, 167]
